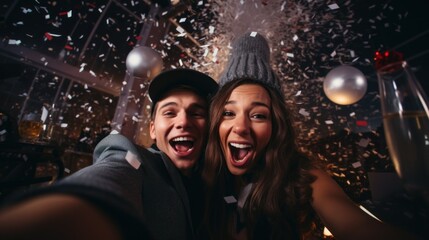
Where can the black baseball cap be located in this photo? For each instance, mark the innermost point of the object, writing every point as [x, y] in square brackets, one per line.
[204, 85]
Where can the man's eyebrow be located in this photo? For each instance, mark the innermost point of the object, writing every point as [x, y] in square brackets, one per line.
[198, 105]
[167, 104]
[193, 105]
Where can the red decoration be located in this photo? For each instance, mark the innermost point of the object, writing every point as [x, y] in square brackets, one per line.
[386, 58]
[48, 36]
[361, 123]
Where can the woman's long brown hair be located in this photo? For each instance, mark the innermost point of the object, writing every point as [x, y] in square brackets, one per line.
[281, 193]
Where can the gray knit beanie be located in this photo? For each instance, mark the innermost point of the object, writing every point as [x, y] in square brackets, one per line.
[250, 58]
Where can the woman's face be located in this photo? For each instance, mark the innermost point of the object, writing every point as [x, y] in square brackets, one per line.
[245, 127]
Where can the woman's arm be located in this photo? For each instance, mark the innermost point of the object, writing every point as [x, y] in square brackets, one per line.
[343, 217]
[56, 216]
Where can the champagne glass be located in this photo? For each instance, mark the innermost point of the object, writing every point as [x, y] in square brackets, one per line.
[405, 112]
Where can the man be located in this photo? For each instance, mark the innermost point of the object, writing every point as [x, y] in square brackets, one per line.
[130, 191]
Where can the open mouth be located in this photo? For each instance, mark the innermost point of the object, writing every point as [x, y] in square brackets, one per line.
[182, 144]
[240, 152]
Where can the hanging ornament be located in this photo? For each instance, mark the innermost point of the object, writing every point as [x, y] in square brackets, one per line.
[144, 62]
[345, 85]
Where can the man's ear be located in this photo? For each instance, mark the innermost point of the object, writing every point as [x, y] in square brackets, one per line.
[152, 130]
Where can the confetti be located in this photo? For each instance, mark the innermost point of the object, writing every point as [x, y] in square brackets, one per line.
[364, 142]
[333, 6]
[14, 42]
[133, 160]
[303, 112]
[356, 164]
[230, 199]
[295, 38]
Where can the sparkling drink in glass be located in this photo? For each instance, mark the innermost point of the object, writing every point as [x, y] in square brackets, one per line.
[405, 112]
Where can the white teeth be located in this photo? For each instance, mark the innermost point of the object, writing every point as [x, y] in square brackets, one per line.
[238, 145]
[181, 139]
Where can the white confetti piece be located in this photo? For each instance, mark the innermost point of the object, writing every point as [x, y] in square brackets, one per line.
[356, 164]
[26, 10]
[333, 6]
[329, 122]
[136, 119]
[180, 29]
[133, 160]
[14, 42]
[44, 114]
[303, 112]
[230, 199]
[211, 29]
[114, 132]
[54, 34]
[364, 142]
[295, 38]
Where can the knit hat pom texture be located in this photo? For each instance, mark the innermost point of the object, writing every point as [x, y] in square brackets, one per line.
[250, 58]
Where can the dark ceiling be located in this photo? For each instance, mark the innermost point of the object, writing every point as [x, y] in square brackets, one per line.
[308, 38]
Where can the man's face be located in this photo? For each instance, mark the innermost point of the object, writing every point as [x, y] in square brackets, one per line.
[179, 127]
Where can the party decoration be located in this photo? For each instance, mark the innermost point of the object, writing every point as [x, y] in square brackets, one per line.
[144, 62]
[345, 85]
[383, 59]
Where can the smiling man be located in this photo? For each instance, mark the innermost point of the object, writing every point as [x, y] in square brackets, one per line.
[179, 117]
[179, 128]
[130, 192]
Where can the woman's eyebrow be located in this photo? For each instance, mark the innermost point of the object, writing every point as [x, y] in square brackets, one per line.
[254, 103]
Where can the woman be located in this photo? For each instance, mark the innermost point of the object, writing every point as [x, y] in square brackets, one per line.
[258, 185]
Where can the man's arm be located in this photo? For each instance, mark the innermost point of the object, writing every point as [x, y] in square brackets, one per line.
[107, 192]
[116, 171]
[56, 216]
